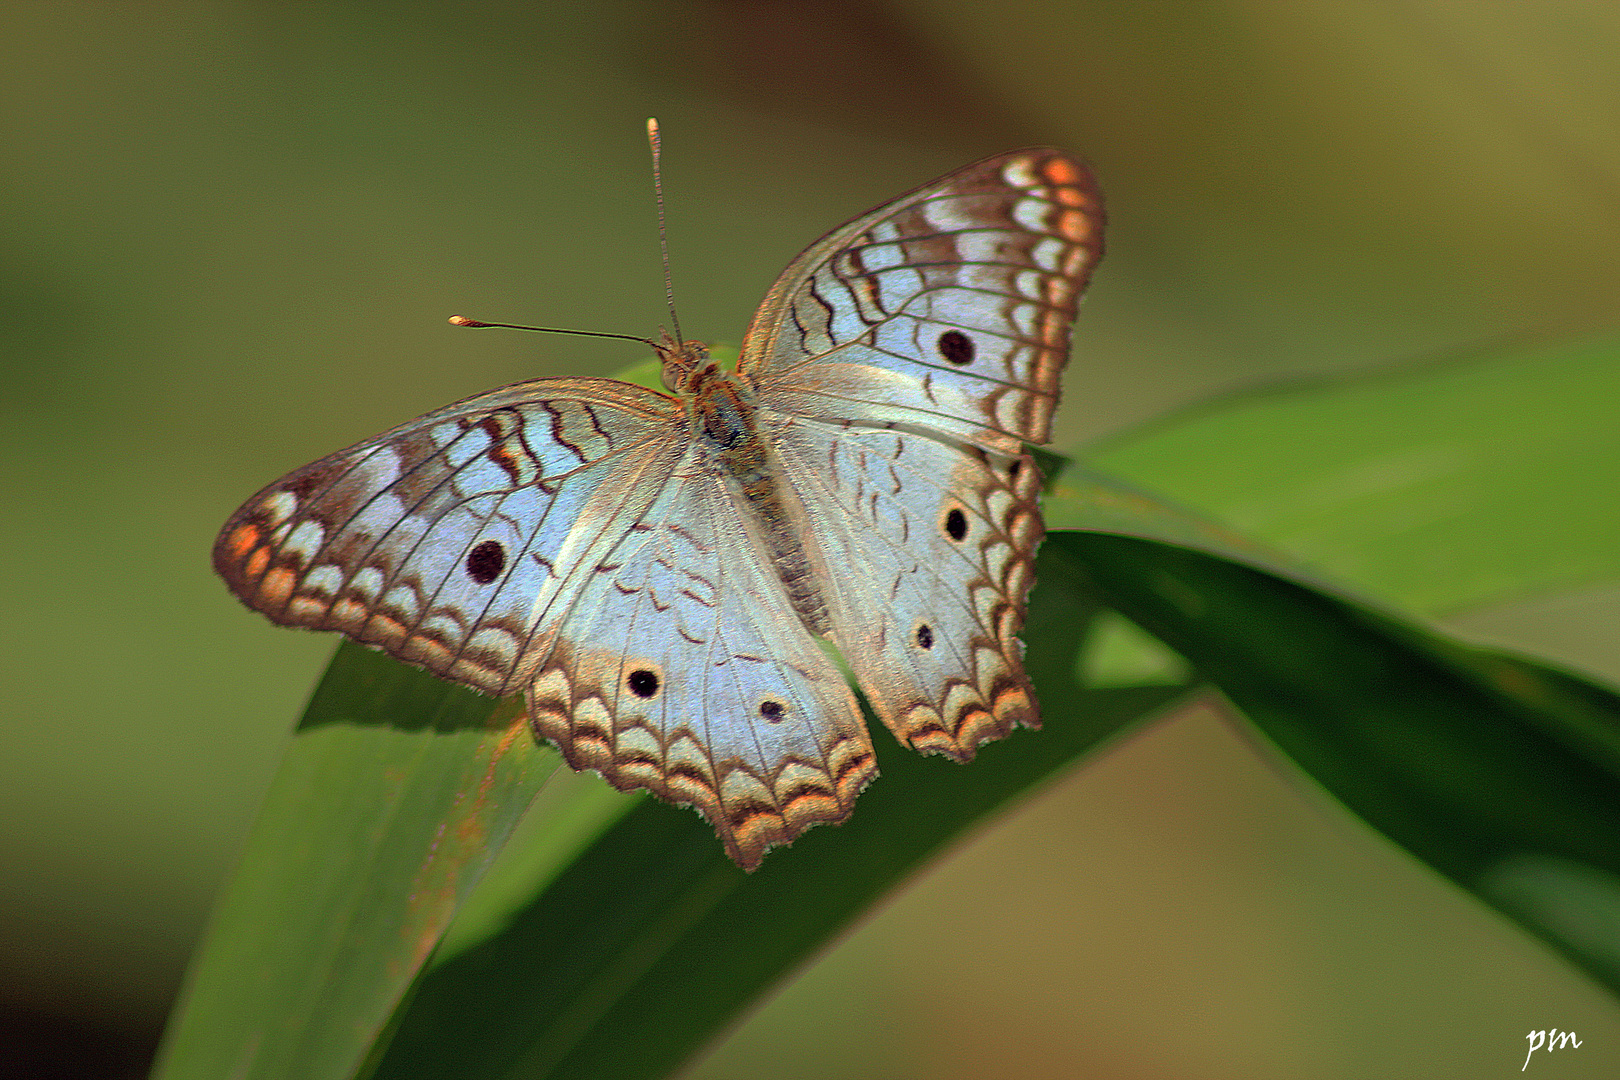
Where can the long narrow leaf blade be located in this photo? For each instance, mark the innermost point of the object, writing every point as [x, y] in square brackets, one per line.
[393, 796]
[1434, 487]
[1502, 774]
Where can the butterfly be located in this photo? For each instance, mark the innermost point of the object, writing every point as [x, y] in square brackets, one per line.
[657, 573]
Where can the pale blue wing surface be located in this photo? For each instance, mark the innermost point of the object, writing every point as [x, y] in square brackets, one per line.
[444, 541]
[681, 667]
[947, 309]
[929, 547]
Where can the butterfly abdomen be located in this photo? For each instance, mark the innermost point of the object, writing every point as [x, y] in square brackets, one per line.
[740, 456]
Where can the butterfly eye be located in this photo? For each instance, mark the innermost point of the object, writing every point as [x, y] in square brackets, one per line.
[956, 347]
[772, 711]
[486, 561]
[642, 683]
[925, 635]
[956, 525]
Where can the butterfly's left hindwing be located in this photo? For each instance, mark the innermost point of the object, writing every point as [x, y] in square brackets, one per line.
[682, 667]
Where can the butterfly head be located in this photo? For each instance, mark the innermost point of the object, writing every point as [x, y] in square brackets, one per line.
[683, 363]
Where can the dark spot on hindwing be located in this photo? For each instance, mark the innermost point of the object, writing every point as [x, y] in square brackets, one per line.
[956, 524]
[486, 561]
[642, 683]
[956, 347]
[925, 635]
[772, 711]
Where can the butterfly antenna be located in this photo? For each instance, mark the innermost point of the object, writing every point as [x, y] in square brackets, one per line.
[662, 349]
[663, 237]
[462, 320]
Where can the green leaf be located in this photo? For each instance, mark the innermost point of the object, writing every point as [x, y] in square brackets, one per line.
[1499, 772]
[1431, 486]
[398, 790]
[624, 954]
[394, 795]
[653, 942]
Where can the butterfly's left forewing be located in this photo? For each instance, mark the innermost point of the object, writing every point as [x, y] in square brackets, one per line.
[446, 540]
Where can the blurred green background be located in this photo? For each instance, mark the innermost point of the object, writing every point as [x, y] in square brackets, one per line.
[232, 233]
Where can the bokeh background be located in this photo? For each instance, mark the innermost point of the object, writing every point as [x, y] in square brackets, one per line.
[230, 236]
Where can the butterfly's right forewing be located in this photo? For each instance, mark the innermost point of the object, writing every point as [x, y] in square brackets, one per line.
[948, 308]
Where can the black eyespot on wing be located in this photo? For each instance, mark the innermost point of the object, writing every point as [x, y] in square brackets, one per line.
[772, 711]
[956, 347]
[486, 561]
[642, 683]
[925, 635]
[956, 525]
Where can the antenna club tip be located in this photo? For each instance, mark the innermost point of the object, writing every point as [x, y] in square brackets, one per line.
[462, 320]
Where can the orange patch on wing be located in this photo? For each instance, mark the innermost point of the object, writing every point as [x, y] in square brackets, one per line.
[277, 585]
[1061, 171]
[1069, 196]
[1074, 225]
[243, 539]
